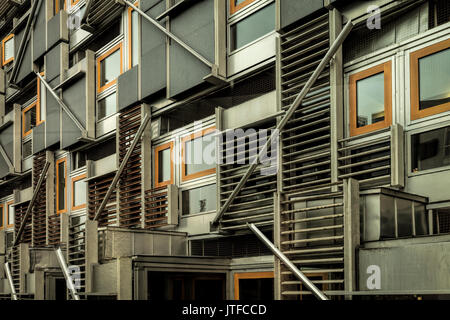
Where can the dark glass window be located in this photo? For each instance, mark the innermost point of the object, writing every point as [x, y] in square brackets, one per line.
[370, 100]
[256, 289]
[106, 106]
[430, 149]
[27, 149]
[61, 185]
[202, 199]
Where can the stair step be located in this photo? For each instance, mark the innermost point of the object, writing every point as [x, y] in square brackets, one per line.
[320, 260]
[313, 240]
[314, 250]
[313, 281]
[325, 206]
[329, 216]
[338, 226]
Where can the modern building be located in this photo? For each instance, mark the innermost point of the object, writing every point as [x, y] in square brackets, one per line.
[132, 153]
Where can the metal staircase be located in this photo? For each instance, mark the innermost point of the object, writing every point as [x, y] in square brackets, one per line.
[39, 209]
[76, 248]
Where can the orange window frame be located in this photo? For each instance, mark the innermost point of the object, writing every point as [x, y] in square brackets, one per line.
[6, 215]
[235, 8]
[74, 2]
[2, 221]
[5, 62]
[385, 68]
[64, 210]
[162, 147]
[38, 102]
[99, 61]
[414, 57]
[75, 179]
[58, 7]
[249, 275]
[130, 40]
[195, 135]
[33, 105]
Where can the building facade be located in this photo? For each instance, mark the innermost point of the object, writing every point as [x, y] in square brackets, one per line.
[133, 139]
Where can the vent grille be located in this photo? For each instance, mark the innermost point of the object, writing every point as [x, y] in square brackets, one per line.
[439, 12]
[40, 207]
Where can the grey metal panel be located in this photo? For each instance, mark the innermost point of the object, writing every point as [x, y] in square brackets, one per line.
[153, 74]
[26, 66]
[54, 30]
[144, 5]
[127, 88]
[196, 27]
[52, 127]
[151, 36]
[53, 63]
[7, 141]
[293, 10]
[4, 170]
[39, 138]
[75, 98]
[39, 33]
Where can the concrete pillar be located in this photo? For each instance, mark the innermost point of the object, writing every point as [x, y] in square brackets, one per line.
[124, 279]
[91, 248]
[351, 232]
[17, 142]
[24, 265]
[146, 163]
[276, 240]
[39, 285]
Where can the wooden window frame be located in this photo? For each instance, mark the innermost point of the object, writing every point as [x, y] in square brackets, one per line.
[159, 148]
[118, 46]
[64, 210]
[249, 275]
[193, 136]
[58, 8]
[130, 40]
[2, 207]
[75, 179]
[8, 204]
[386, 68]
[31, 106]
[74, 2]
[235, 8]
[414, 57]
[38, 101]
[7, 38]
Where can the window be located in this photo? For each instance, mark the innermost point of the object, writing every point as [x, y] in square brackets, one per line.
[79, 192]
[430, 78]
[198, 154]
[58, 5]
[61, 187]
[74, 2]
[109, 67]
[10, 214]
[164, 165]
[27, 149]
[107, 106]
[236, 5]
[29, 119]
[8, 49]
[430, 149]
[133, 37]
[197, 200]
[371, 99]
[78, 160]
[253, 286]
[2, 217]
[253, 27]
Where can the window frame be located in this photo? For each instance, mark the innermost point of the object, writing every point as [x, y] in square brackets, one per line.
[235, 8]
[64, 210]
[57, 8]
[199, 134]
[118, 46]
[130, 33]
[74, 2]
[249, 275]
[2, 220]
[414, 57]
[165, 146]
[74, 180]
[25, 110]
[38, 101]
[385, 68]
[6, 39]
[6, 215]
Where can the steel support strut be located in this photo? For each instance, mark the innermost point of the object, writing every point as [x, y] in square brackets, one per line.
[297, 102]
[122, 165]
[10, 281]
[65, 270]
[297, 273]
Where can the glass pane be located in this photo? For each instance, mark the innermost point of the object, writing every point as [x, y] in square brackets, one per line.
[420, 219]
[370, 100]
[61, 185]
[134, 38]
[27, 149]
[430, 149]
[434, 79]
[30, 119]
[79, 193]
[164, 165]
[1, 217]
[404, 218]
[107, 106]
[253, 27]
[198, 200]
[11, 215]
[238, 2]
[9, 49]
[110, 68]
[200, 154]
[256, 289]
[387, 217]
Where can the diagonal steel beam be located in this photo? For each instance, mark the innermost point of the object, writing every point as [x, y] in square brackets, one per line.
[5, 155]
[296, 271]
[170, 34]
[31, 204]
[23, 42]
[111, 188]
[297, 102]
[69, 280]
[63, 105]
[10, 281]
